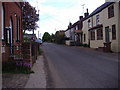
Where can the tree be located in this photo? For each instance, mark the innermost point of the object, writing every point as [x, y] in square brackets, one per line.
[46, 37]
[29, 17]
[59, 37]
[52, 38]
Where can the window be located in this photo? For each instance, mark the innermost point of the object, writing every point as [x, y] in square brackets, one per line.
[2, 19]
[113, 32]
[18, 29]
[111, 11]
[84, 38]
[77, 27]
[89, 24]
[97, 19]
[92, 35]
[8, 36]
[99, 34]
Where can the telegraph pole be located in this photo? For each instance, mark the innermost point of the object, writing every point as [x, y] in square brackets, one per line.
[83, 5]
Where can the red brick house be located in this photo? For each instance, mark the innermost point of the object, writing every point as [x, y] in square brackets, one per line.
[0, 31]
[11, 29]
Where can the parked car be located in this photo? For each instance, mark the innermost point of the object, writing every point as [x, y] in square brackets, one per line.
[39, 41]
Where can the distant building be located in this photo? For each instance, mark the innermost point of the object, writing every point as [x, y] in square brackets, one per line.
[74, 32]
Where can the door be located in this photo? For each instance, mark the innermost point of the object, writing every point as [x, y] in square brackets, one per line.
[11, 37]
[107, 36]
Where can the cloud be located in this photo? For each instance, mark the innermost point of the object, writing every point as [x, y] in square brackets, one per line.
[56, 14]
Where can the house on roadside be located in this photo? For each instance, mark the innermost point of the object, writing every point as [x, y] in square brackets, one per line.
[101, 29]
[68, 34]
[74, 33]
[11, 29]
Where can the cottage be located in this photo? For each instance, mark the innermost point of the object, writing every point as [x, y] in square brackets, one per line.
[74, 33]
[11, 29]
[101, 28]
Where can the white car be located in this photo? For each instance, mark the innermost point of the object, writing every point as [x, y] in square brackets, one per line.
[39, 41]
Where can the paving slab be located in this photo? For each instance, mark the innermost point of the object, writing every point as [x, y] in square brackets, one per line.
[38, 78]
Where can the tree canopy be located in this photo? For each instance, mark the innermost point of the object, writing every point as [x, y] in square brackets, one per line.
[46, 37]
[29, 17]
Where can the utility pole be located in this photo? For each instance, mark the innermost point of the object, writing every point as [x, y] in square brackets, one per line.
[83, 8]
[38, 21]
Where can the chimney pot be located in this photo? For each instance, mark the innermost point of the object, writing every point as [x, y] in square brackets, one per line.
[80, 17]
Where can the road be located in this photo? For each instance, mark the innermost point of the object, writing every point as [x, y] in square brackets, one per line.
[74, 67]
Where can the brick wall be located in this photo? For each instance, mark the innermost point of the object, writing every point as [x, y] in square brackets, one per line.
[0, 33]
[30, 52]
[12, 10]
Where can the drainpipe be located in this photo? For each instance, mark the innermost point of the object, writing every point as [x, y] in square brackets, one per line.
[119, 26]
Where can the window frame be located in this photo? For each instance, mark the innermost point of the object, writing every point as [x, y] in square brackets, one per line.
[89, 23]
[2, 22]
[97, 19]
[18, 29]
[100, 33]
[114, 32]
[92, 35]
[111, 11]
[84, 37]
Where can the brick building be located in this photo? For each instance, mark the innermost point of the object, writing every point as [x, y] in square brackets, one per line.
[0, 31]
[11, 29]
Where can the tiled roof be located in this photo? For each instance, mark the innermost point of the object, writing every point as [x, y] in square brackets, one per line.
[99, 9]
[30, 36]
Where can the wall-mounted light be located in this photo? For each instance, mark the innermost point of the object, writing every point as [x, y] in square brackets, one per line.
[15, 14]
[7, 27]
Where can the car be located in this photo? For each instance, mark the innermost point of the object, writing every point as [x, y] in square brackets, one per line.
[39, 41]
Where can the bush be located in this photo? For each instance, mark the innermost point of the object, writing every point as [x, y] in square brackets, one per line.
[86, 45]
[81, 44]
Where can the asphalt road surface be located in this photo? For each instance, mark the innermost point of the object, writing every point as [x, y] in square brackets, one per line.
[74, 67]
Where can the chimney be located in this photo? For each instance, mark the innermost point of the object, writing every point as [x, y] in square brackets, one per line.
[86, 14]
[70, 24]
[80, 17]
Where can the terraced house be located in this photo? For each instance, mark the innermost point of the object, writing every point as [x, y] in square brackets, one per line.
[74, 33]
[11, 29]
[101, 29]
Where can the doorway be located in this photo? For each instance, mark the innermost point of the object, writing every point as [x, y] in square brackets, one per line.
[107, 36]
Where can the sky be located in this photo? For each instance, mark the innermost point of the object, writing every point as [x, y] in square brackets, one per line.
[55, 15]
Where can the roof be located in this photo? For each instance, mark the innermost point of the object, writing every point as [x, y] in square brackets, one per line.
[30, 36]
[103, 6]
[95, 27]
[78, 31]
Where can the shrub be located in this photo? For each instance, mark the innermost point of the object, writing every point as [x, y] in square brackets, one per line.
[86, 45]
[17, 67]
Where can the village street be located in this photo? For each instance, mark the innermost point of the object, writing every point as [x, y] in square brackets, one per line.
[75, 67]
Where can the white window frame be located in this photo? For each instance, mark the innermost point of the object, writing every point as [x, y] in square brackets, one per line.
[89, 23]
[2, 23]
[97, 19]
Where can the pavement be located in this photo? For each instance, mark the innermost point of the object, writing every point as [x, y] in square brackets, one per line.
[37, 79]
[10, 80]
[33, 80]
